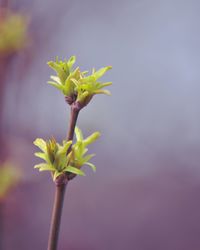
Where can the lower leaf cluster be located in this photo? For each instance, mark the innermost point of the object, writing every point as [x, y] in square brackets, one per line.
[65, 158]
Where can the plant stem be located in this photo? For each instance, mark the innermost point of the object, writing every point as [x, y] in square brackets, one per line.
[61, 184]
[56, 216]
[72, 122]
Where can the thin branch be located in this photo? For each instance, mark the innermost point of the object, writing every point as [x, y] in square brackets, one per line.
[72, 122]
[56, 217]
[61, 184]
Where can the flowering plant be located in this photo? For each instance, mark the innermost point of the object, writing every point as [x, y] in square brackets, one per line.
[66, 160]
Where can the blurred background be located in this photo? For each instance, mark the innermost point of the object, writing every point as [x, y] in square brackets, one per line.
[145, 193]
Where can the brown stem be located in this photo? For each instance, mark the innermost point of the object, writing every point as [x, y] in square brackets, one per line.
[61, 183]
[56, 217]
[72, 122]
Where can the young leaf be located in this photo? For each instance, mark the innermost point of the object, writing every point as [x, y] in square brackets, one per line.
[42, 165]
[88, 157]
[56, 85]
[102, 85]
[98, 74]
[56, 79]
[93, 167]
[90, 139]
[71, 62]
[102, 91]
[61, 69]
[63, 149]
[41, 144]
[78, 133]
[41, 155]
[74, 170]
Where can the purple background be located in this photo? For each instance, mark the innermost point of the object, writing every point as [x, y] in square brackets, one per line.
[145, 193]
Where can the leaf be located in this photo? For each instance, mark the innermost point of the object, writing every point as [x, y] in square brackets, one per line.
[82, 96]
[88, 157]
[56, 85]
[54, 65]
[102, 91]
[71, 62]
[93, 167]
[40, 143]
[74, 170]
[69, 86]
[63, 149]
[78, 149]
[90, 139]
[88, 79]
[79, 134]
[41, 155]
[56, 79]
[98, 74]
[102, 85]
[61, 68]
[43, 166]
[75, 82]
[84, 72]
[46, 169]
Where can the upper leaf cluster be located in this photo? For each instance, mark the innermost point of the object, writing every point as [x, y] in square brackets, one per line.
[77, 86]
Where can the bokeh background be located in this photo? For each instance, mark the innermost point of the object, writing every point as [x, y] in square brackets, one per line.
[145, 193]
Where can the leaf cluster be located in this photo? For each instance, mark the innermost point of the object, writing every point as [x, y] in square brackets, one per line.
[77, 86]
[56, 158]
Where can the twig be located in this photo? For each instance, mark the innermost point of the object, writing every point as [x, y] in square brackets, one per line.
[61, 184]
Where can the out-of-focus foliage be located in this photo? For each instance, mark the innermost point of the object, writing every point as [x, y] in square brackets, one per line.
[13, 32]
[77, 85]
[56, 157]
[9, 177]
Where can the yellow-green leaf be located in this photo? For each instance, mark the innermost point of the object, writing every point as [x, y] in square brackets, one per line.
[74, 170]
